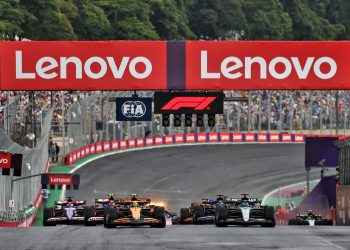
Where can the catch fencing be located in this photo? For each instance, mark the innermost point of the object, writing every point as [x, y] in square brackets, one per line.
[302, 112]
[26, 192]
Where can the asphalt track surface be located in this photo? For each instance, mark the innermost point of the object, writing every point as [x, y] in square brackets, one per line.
[178, 176]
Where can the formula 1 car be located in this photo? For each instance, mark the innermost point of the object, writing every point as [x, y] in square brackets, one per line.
[93, 215]
[134, 211]
[306, 220]
[200, 212]
[244, 211]
[64, 212]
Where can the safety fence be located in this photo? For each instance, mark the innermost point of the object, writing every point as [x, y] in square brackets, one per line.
[211, 137]
[343, 205]
[24, 192]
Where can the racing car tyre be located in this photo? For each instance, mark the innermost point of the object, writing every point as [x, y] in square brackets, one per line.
[109, 215]
[159, 213]
[269, 214]
[221, 215]
[88, 213]
[198, 211]
[184, 214]
[48, 213]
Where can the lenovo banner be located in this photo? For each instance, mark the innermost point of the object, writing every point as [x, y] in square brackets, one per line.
[134, 109]
[60, 179]
[62, 65]
[5, 160]
[188, 102]
[252, 65]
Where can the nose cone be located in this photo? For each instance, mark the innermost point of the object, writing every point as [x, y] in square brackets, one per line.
[136, 212]
[245, 213]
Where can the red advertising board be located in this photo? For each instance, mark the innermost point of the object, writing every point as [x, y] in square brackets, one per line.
[190, 138]
[249, 137]
[98, 147]
[5, 160]
[225, 137]
[60, 179]
[262, 137]
[250, 65]
[159, 140]
[131, 143]
[140, 142]
[169, 139]
[87, 65]
[298, 138]
[87, 150]
[106, 146]
[149, 141]
[92, 149]
[286, 138]
[274, 137]
[213, 137]
[123, 144]
[237, 137]
[114, 145]
[202, 137]
[179, 138]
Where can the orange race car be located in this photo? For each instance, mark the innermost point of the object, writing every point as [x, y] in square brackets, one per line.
[134, 211]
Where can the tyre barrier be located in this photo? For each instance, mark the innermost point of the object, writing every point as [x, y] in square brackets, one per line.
[211, 137]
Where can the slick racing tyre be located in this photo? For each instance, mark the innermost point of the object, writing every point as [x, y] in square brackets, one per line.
[159, 213]
[110, 214]
[198, 212]
[48, 213]
[221, 216]
[269, 214]
[88, 213]
[184, 214]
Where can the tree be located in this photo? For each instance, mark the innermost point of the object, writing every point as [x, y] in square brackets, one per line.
[169, 19]
[216, 19]
[48, 23]
[267, 20]
[12, 17]
[88, 20]
[308, 25]
[129, 19]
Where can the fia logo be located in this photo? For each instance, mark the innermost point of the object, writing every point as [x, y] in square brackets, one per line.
[134, 109]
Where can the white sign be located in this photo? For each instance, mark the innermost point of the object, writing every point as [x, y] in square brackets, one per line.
[71, 140]
[12, 203]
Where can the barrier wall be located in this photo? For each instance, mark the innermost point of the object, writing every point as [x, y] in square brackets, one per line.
[211, 137]
[343, 205]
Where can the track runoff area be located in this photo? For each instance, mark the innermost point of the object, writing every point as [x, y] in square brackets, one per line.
[179, 67]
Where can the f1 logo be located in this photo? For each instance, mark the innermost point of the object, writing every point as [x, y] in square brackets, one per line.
[198, 103]
[188, 102]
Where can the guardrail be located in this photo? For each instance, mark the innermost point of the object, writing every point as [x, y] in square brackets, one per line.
[192, 138]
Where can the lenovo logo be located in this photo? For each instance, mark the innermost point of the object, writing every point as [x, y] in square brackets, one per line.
[198, 103]
[60, 180]
[50, 68]
[232, 67]
[4, 161]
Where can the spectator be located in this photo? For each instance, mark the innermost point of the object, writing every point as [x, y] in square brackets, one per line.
[53, 152]
[57, 151]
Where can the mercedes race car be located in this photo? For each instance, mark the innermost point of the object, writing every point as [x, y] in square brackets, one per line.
[64, 212]
[310, 218]
[134, 211]
[201, 212]
[244, 211]
[93, 215]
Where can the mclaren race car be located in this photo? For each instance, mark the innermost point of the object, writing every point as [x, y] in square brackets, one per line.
[201, 212]
[310, 218]
[93, 215]
[64, 212]
[134, 211]
[244, 211]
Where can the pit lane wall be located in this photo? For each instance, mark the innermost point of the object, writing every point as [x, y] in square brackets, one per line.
[192, 138]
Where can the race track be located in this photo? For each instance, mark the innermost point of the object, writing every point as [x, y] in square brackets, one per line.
[178, 176]
[181, 175]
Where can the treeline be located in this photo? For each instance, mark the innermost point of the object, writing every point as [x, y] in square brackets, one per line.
[175, 19]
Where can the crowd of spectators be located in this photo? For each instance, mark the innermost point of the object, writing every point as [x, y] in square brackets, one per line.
[297, 110]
